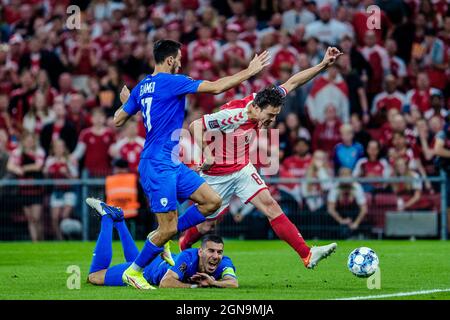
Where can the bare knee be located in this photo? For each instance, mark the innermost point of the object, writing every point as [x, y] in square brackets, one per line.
[213, 204]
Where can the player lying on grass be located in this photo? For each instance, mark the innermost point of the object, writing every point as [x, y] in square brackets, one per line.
[203, 267]
[239, 177]
[161, 99]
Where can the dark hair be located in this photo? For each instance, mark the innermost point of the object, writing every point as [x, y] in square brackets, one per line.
[269, 96]
[211, 237]
[163, 49]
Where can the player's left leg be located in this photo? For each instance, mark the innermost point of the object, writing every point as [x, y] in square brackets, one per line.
[207, 201]
[251, 188]
[103, 250]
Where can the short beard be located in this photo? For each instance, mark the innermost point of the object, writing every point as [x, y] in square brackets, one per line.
[173, 70]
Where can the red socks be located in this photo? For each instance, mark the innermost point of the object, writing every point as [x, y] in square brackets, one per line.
[288, 232]
[191, 236]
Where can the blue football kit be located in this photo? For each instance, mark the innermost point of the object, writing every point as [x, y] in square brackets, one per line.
[162, 99]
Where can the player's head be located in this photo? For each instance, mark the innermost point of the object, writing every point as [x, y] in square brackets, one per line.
[168, 53]
[210, 253]
[267, 105]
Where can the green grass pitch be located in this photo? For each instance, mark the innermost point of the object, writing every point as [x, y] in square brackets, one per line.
[266, 270]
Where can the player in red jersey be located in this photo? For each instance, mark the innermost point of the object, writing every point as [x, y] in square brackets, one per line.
[240, 120]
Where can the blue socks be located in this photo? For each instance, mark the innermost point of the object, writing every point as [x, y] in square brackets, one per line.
[103, 249]
[130, 251]
[147, 254]
[190, 218]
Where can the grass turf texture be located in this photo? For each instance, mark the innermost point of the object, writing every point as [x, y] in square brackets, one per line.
[266, 270]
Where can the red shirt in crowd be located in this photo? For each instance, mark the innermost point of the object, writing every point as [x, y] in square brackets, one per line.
[326, 136]
[97, 159]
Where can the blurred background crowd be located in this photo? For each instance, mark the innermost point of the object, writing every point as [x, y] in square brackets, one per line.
[376, 113]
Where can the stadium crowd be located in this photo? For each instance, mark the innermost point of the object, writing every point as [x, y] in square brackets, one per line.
[375, 113]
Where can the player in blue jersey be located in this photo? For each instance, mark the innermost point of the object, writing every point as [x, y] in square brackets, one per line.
[203, 267]
[161, 97]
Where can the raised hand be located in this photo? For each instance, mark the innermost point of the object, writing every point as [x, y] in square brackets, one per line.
[259, 62]
[124, 94]
[331, 56]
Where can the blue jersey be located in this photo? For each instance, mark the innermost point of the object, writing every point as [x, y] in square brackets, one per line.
[186, 265]
[347, 156]
[161, 99]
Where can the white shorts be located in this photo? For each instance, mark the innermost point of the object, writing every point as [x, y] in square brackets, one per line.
[245, 184]
[62, 199]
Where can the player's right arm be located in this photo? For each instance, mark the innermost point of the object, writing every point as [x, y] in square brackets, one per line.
[304, 76]
[258, 63]
[128, 109]
[172, 280]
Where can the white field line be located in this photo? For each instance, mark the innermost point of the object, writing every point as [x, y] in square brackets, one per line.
[400, 294]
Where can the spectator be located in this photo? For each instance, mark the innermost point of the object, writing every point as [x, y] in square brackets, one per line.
[295, 166]
[397, 65]
[419, 98]
[378, 58]
[328, 89]
[65, 87]
[39, 114]
[129, 147]
[62, 199]
[435, 59]
[284, 56]
[294, 130]
[437, 107]
[235, 52]
[409, 193]
[357, 60]
[26, 162]
[38, 59]
[372, 166]
[20, 98]
[361, 135]
[4, 153]
[347, 204]
[93, 145]
[60, 128]
[326, 135]
[6, 122]
[77, 113]
[347, 152]
[328, 30]
[314, 192]
[391, 98]
[298, 14]
[84, 57]
[356, 91]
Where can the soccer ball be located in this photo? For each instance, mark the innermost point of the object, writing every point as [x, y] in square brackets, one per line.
[363, 262]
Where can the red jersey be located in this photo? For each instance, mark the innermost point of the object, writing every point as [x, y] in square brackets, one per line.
[283, 57]
[388, 101]
[366, 168]
[130, 150]
[295, 167]
[233, 133]
[97, 159]
[326, 136]
[421, 99]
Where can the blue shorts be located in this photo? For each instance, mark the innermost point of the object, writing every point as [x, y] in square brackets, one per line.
[113, 276]
[166, 186]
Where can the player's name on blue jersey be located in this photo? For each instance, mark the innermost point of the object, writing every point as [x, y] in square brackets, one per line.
[148, 87]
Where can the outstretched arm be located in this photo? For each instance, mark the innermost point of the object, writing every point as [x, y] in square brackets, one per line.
[171, 280]
[121, 116]
[304, 76]
[258, 63]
